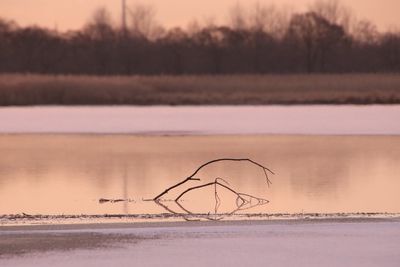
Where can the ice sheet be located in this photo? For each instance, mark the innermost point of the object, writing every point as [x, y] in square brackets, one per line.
[335, 120]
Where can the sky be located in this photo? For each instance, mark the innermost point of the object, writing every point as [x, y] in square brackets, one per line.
[73, 14]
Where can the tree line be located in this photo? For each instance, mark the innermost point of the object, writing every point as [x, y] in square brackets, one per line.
[261, 39]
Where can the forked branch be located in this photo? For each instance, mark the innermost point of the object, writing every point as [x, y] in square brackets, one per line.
[193, 178]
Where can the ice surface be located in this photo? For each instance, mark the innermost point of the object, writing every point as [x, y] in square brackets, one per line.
[369, 243]
[203, 120]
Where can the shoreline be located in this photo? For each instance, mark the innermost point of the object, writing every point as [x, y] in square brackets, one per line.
[117, 224]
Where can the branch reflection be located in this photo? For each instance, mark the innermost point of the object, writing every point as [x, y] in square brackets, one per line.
[243, 202]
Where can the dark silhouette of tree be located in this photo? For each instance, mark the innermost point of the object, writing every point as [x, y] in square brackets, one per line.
[365, 32]
[143, 22]
[237, 18]
[213, 41]
[260, 39]
[390, 48]
[36, 50]
[6, 31]
[100, 33]
[260, 45]
[334, 12]
[316, 36]
[176, 43]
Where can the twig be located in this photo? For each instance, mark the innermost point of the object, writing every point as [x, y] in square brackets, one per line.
[174, 186]
[193, 188]
[215, 183]
[183, 215]
[266, 170]
[217, 199]
[192, 177]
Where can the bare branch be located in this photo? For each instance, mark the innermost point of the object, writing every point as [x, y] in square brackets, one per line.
[174, 186]
[191, 177]
[208, 184]
[193, 188]
[230, 159]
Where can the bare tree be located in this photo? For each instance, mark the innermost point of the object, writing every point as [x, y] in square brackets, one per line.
[102, 35]
[390, 47]
[365, 32]
[317, 37]
[214, 41]
[269, 19]
[143, 23]
[334, 12]
[260, 17]
[237, 17]
[100, 25]
[176, 40]
[193, 28]
[261, 38]
[209, 21]
[6, 28]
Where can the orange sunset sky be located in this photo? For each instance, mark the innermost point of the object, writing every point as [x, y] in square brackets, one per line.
[72, 14]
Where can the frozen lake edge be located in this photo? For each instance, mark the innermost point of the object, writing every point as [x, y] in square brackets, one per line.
[280, 243]
[203, 120]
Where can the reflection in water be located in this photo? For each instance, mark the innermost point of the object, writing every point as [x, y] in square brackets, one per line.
[247, 202]
[68, 174]
[176, 207]
[242, 202]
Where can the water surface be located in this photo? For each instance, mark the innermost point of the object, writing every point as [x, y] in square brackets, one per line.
[68, 174]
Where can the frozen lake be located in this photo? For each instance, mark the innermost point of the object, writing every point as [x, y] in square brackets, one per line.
[327, 159]
[290, 243]
[325, 120]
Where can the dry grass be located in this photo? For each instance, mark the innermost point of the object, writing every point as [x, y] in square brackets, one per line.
[200, 90]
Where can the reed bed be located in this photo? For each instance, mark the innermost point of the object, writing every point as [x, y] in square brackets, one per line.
[20, 90]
